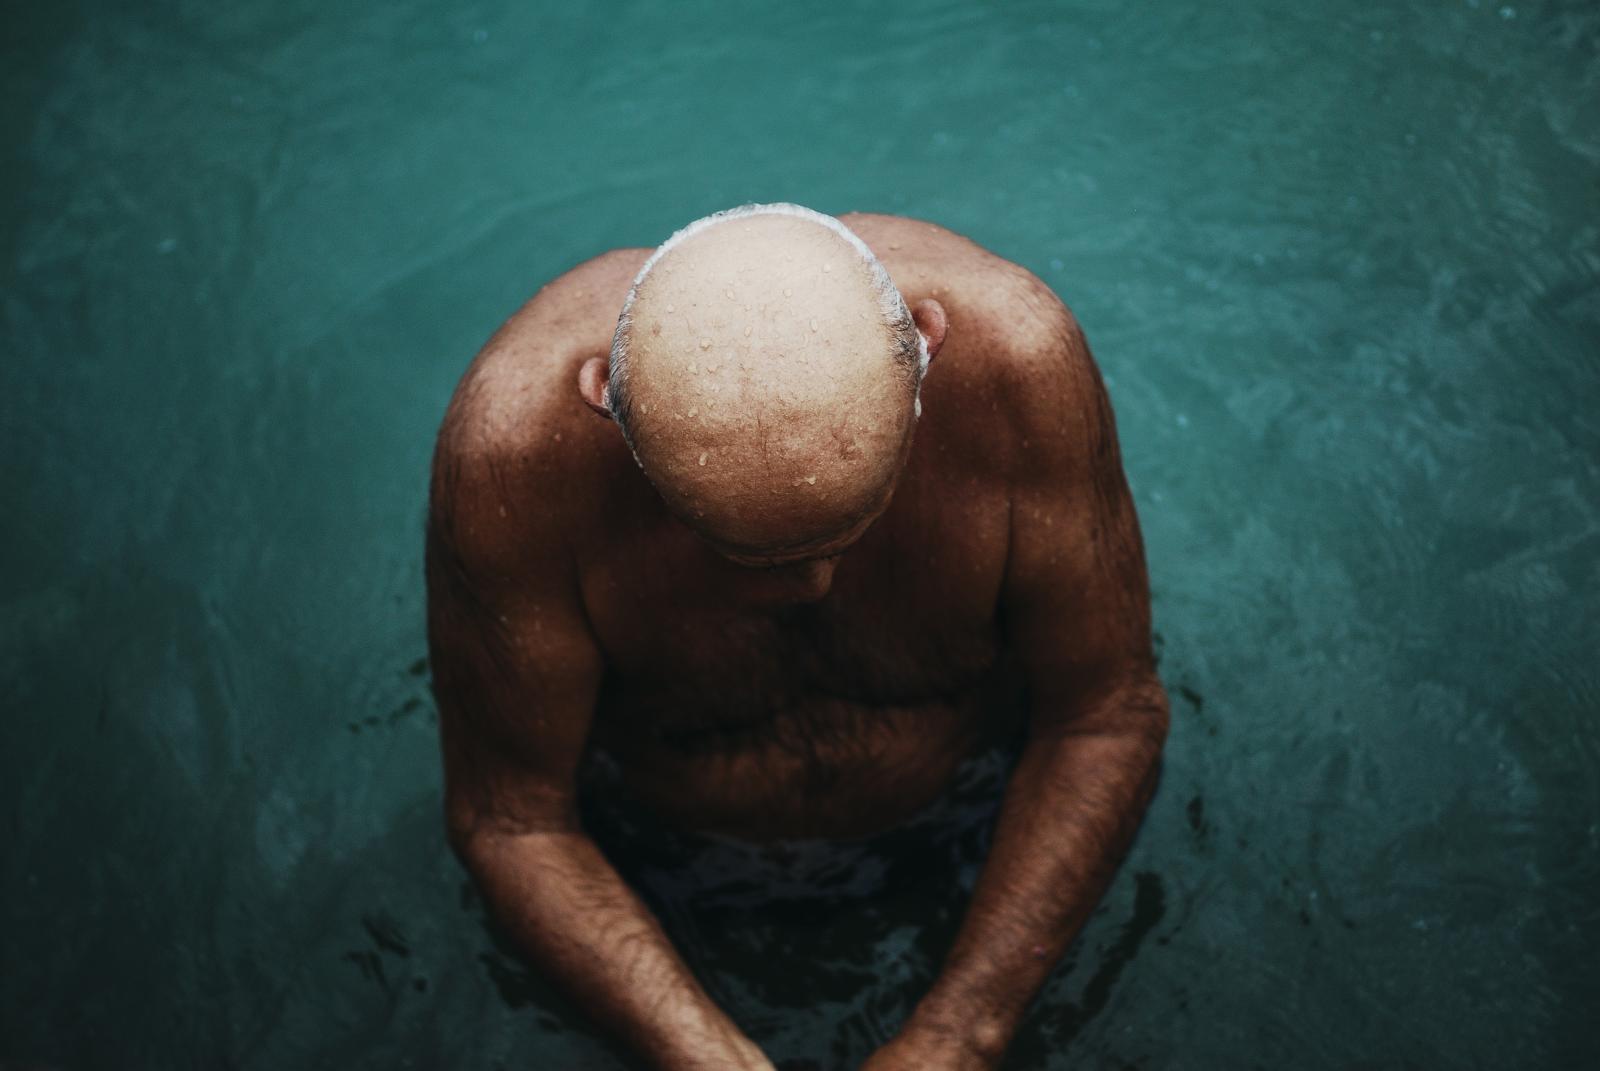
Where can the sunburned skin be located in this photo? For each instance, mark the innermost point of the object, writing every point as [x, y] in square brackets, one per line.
[797, 610]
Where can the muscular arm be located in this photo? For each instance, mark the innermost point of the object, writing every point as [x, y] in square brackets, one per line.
[517, 672]
[1076, 609]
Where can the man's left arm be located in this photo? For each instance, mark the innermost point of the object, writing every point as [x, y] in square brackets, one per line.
[1077, 611]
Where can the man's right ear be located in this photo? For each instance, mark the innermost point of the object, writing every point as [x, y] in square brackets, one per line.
[594, 376]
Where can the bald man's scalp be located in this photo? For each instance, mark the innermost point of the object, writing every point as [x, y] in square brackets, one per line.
[767, 395]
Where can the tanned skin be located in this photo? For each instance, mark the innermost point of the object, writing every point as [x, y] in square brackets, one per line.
[570, 613]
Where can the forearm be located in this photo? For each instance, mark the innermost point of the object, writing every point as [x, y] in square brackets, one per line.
[579, 922]
[1070, 811]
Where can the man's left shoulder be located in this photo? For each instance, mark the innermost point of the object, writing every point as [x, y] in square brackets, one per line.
[1045, 381]
[1034, 331]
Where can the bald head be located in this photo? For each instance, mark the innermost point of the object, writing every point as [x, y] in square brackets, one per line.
[765, 372]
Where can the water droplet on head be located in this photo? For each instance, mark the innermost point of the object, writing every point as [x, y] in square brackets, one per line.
[705, 343]
[813, 325]
[811, 479]
[702, 458]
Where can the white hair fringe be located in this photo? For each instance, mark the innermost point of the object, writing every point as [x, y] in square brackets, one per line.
[890, 303]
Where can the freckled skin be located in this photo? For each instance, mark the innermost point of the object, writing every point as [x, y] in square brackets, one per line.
[999, 575]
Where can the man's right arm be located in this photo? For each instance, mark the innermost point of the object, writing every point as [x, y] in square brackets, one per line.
[516, 672]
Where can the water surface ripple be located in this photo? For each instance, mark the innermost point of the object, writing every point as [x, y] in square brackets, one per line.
[1340, 267]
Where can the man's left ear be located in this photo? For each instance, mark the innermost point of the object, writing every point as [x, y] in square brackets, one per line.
[931, 323]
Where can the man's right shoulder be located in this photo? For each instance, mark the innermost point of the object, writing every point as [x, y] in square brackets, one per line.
[581, 303]
[518, 453]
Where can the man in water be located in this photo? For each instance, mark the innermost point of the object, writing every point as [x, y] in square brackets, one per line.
[750, 590]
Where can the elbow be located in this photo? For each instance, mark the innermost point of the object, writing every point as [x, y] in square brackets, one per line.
[482, 855]
[480, 838]
[468, 834]
[1131, 710]
[1149, 711]
[1160, 711]
[1138, 709]
[463, 840]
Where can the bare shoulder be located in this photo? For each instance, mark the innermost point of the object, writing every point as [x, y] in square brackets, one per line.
[1015, 352]
[1057, 417]
[923, 256]
[517, 447]
[1014, 314]
[522, 365]
[580, 302]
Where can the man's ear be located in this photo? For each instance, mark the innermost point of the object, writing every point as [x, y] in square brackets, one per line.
[931, 323]
[594, 376]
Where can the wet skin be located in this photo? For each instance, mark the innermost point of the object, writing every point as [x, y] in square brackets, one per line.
[826, 690]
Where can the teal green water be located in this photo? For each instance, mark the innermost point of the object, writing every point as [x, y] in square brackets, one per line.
[1341, 268]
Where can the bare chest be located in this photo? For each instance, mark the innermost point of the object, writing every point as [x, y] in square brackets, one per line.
[865, 645]
[823, 718]
[696, 646]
